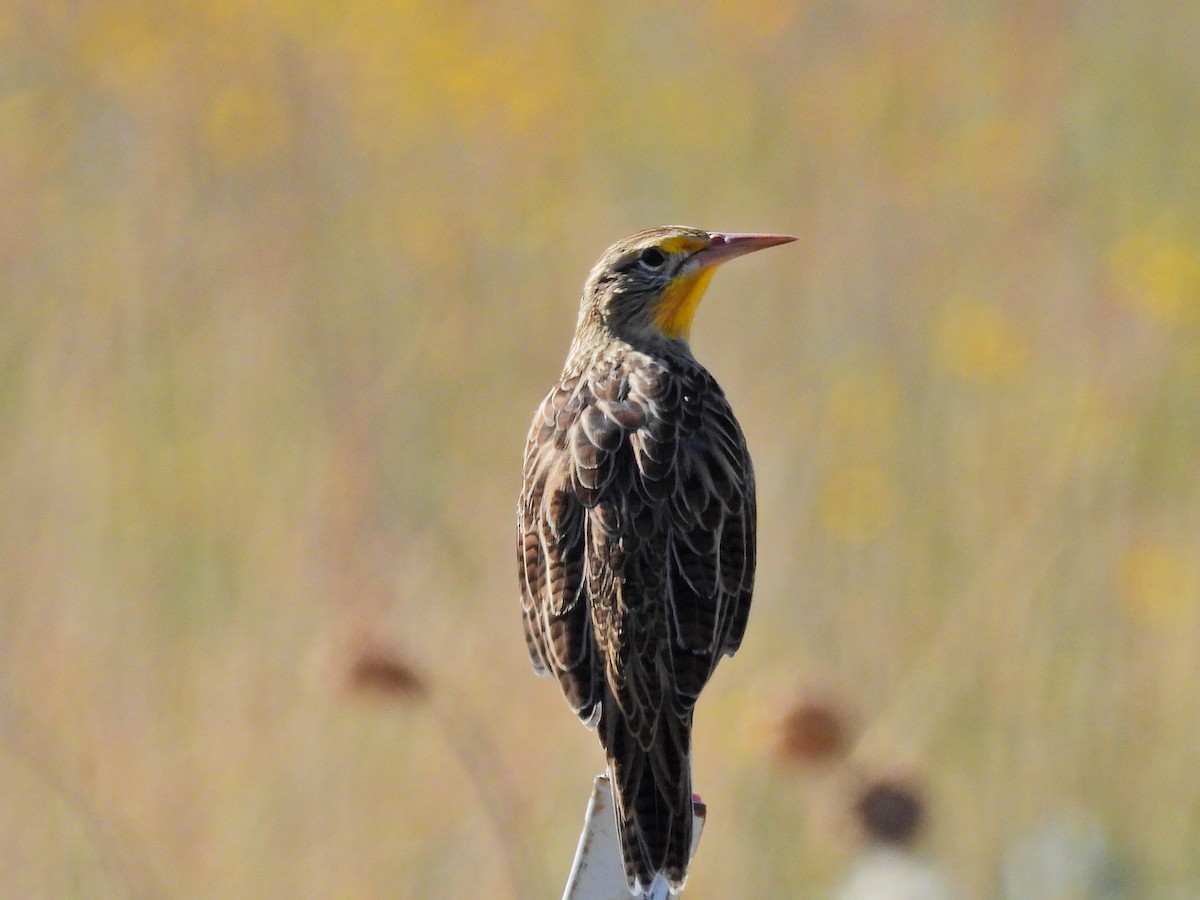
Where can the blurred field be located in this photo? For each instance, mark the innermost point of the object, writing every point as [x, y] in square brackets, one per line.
[281, 284]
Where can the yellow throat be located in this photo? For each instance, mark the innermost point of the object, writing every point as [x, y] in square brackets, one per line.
[679, 302]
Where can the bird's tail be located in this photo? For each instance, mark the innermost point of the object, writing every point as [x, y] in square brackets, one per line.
[652, 783]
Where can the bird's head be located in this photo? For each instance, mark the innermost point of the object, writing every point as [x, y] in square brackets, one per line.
[646, 287]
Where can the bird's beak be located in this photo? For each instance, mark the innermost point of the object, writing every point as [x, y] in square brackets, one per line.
[679, 301]
[725, 246]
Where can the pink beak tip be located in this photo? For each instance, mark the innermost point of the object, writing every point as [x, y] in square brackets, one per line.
[726, 245]
[762, 239]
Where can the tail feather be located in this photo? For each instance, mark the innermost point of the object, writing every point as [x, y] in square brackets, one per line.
[652, 783]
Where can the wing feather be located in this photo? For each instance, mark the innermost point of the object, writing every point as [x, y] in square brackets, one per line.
[565, 529]
[711, 537]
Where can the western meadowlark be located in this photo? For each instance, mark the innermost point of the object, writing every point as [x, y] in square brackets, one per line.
[635, 530]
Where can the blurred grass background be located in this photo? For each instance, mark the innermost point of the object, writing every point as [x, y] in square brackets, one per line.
[281, 284]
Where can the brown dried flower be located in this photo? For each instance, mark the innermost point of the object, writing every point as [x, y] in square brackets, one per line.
[814, 731]
[386, 674]
[891, 810]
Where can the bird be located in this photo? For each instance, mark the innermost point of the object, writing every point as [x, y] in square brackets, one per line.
[636, 530]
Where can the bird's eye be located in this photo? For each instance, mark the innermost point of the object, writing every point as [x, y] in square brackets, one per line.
[652, 258]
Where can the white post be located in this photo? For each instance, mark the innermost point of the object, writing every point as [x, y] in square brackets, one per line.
[597, 872]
